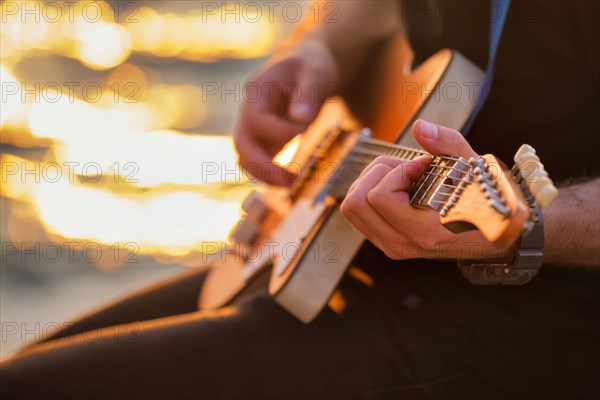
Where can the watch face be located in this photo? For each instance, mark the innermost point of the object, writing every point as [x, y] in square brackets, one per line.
[495, 274]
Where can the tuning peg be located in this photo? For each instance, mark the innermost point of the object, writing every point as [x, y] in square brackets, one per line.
[245, 231]
[533, 173]
[248, 227]
[255, 206]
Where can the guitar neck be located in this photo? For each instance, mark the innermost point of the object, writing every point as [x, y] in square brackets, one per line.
[433, 190]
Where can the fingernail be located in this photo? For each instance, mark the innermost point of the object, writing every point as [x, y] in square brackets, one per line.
[301, 111]
[428, 131]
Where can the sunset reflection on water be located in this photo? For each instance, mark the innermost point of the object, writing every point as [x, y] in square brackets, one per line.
[119, 157]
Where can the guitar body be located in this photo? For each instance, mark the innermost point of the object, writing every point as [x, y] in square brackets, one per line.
[306, 245]
[246, 268]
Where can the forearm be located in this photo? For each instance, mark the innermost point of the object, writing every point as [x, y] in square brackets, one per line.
[351, 29]
[572, 225]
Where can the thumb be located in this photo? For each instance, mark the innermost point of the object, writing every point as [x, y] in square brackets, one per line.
[441, 141]
[311, 96]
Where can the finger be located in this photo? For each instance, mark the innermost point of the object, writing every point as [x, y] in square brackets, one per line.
[398, 212]
[402, 177]
[371, 178]
[312, 91]
[263, 128]
[257, 162]
[441, 141]
[259, 136]
[263, 121]
[392, 190]
[390, 199]
[363, 217]
[273, 133]
[389, 161]
[305, 105]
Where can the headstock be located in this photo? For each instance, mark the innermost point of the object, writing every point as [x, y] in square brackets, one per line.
[487, 198]
[530, 171]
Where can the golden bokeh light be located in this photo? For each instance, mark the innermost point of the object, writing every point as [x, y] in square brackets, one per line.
[11, 99]
[167, 191]
[165, 220]
[102, 45]
[99, 42]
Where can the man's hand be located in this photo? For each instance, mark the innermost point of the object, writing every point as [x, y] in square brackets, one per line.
[378, 205]
[286, 97]
[323, 55]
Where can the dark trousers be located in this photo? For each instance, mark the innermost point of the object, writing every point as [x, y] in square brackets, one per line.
[417, 330]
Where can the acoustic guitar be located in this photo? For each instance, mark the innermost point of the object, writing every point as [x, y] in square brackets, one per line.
[296, 241]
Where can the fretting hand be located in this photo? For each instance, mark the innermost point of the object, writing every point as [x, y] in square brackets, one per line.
[377, 204]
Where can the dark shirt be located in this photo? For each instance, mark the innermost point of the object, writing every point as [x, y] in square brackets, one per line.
[420, 331]
[546, 87]
[546, 92]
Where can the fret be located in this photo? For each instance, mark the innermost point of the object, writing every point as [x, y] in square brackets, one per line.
[441, 188]
[438, 184]
[341, 181]
[387, 146]
[419, 186]
[428, 191]
[382, 148]
[427, 182]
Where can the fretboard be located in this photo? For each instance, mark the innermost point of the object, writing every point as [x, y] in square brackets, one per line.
[433, 189]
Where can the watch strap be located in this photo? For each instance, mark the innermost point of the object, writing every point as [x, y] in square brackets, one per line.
[525, 266]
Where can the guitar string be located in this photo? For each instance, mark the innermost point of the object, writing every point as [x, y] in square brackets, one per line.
[356, 168]
[372, 156]
[359, 160]
[361, 156]
[354, 171]
[473, 204]
[425, 174]
[434, 164]
[466, 202]
[400, 148]
[396, 150]
[395, 147]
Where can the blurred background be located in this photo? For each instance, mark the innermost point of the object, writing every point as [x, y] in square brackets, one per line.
[118, 167]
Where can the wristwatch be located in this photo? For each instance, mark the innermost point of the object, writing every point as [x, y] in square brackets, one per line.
[526, 264]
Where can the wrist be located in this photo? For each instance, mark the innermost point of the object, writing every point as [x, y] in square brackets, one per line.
[524, 266]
